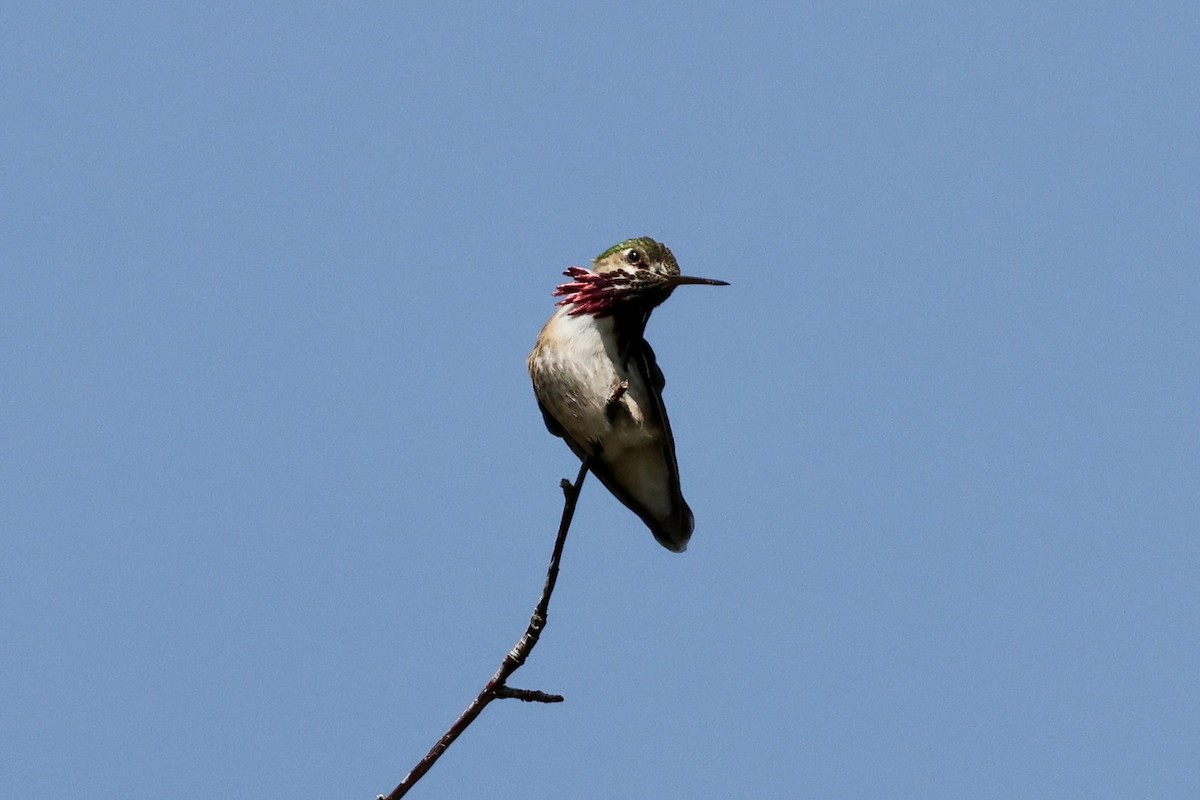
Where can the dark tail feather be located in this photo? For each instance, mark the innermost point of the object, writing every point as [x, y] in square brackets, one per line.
[674, 534]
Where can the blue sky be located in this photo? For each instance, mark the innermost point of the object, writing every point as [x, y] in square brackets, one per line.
[275, 497]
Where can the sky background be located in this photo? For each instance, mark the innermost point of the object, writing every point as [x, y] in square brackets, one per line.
[275, 496]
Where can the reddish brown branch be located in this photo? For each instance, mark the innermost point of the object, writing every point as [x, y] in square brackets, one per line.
[497, 687]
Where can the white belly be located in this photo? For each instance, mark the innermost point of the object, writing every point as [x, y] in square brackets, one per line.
[576, 370]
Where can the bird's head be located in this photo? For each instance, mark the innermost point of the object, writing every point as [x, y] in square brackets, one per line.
[637, 274]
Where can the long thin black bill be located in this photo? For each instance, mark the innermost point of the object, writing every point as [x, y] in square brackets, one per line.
[680, 280]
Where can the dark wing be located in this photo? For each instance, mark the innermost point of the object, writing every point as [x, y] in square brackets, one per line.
[674, 530]
[551, 423]
[682, 523]
[657, 379]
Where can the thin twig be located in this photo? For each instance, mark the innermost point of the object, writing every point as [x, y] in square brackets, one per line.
[497, 687]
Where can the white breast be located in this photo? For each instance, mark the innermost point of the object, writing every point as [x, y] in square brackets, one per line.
[576, 370]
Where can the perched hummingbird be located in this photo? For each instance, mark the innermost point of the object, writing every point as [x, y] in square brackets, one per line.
[600, 388]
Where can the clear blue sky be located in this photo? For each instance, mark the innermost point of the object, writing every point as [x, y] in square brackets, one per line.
[275, 497]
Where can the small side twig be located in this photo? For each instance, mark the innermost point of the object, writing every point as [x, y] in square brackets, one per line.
[497, 687]
[528, 695]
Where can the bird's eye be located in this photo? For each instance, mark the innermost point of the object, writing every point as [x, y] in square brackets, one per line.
[633, 257]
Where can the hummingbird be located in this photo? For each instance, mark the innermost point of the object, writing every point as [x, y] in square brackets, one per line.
[599, 386]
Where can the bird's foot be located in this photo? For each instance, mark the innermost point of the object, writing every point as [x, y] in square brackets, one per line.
[613, 403]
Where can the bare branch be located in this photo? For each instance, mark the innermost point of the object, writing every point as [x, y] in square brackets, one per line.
[497, 687]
